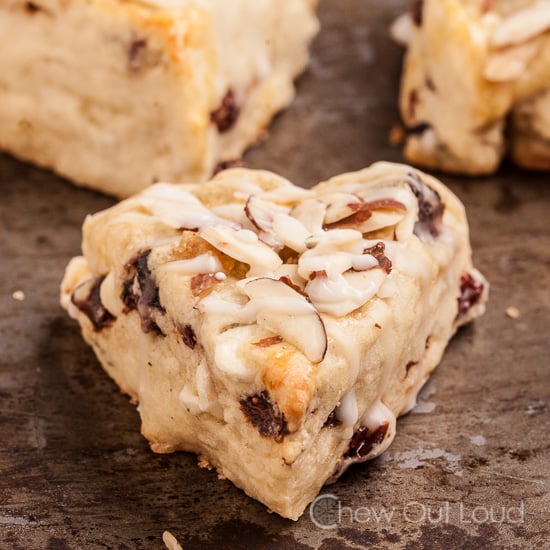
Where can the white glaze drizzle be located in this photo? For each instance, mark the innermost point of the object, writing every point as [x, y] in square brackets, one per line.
[244, 246]
[332, 267]
[346, 345]
[522, 25]
[347, 412]
[375, 417]
[205, 263]
[284, 311]
[344, 293]
[178, 208]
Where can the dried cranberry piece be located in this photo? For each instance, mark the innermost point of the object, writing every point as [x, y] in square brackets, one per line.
[332, 420]
[430, 207]
[265, 416]
[415, 9]
[362, 211]
[140, 292]
[364, 440]
[226, 115]
[378, 251]
[188, 336]
[92, 307]
[31, 7]
[471, 290]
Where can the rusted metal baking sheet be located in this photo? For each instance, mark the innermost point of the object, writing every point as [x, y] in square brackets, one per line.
[469, 469]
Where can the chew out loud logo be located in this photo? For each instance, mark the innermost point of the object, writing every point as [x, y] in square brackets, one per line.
[327, 511]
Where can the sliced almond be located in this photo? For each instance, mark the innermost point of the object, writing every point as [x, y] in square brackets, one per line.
[204, 263]
[291, 232]
[243, 245]
[288, 314]
[522, 25]
[277, 228]
[178, 208]
[290, 271]
[371, 216]
[261, 212]
[332, 252]
[337, 240]
[286, 194]
[341, 295]
[311, 213]
[332, 264]
[510, 63]
[340, 206]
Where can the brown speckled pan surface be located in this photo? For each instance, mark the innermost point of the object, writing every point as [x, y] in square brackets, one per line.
[74, 470]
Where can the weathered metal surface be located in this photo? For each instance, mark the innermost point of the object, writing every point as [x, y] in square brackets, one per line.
[75, 472]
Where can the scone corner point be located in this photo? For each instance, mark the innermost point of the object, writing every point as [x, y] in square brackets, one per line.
[275, 331]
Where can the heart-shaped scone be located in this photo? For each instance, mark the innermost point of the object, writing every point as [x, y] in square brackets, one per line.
[276, 331]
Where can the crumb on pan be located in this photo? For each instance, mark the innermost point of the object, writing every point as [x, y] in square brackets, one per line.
[170, 541]
[204, 463]
[18, 295]
[513, 312]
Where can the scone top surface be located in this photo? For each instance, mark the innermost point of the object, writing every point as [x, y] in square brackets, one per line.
[276, 331]
[267, 276]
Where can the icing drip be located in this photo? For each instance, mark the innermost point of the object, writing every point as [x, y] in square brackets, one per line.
[374, 435]
[205, 263]
[347, 412]
[287, 313]
[377, 415]
[245, 246]
[346, 345]
[178, 208]
[344, 293]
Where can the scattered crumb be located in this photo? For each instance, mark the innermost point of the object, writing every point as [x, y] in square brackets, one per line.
[170, 541]
[204, 463]
[18, 295]
[402, 29]
[397, 135]
[513, 312]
